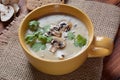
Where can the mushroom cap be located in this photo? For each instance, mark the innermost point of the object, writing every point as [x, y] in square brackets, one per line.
[58, 42]
[16, 7]
[5, 1]
[2, 7]
[54, 27]
[7, 13]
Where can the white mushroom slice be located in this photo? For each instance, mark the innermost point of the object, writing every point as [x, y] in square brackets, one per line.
[2, 7]
[5, 2]
[60, 55]
[16, 7]
[64, 35]
[57, 43]
[14, 1]
[7, 14]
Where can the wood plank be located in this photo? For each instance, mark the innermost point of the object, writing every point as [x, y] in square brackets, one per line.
[111, 70]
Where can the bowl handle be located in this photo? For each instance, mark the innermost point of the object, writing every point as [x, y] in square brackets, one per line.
[100, 47]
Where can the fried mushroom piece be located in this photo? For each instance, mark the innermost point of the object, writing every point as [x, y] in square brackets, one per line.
[57, 43]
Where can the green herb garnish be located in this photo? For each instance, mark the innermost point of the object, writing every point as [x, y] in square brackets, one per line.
[33, 25]
[38, 46]
[38, 35]
[70, 35]
[79, 41]
[42, 38]
[30, 38]
[41, 31]
[46, 28]
[49, 39]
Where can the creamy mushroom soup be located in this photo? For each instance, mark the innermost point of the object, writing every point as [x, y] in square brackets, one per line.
[56, 37]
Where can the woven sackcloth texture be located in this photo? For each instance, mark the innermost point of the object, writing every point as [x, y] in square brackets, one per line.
[15, 66]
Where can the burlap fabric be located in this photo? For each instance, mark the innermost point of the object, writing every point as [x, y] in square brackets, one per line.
[15, 66]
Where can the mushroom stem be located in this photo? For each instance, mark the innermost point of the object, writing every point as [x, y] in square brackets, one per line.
[53, 49]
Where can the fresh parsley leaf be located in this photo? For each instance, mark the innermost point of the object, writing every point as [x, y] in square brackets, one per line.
[43, 46]
[38, 46]
[36, 33]
[30, 38]
[70, 35]
[41, 31]
[76, 43]
[80, 41]
[49, 39]
[33, 25]
[42, 38]
[46, 28]
[45, 39]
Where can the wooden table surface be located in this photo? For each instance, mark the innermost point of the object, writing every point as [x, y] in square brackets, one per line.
[111, 70]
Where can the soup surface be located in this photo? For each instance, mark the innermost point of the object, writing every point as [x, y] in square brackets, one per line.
[56, 37]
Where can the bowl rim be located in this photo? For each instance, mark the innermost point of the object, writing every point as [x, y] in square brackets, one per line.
[48, 60]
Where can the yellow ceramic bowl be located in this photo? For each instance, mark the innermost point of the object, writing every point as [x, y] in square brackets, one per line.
[96, 47]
